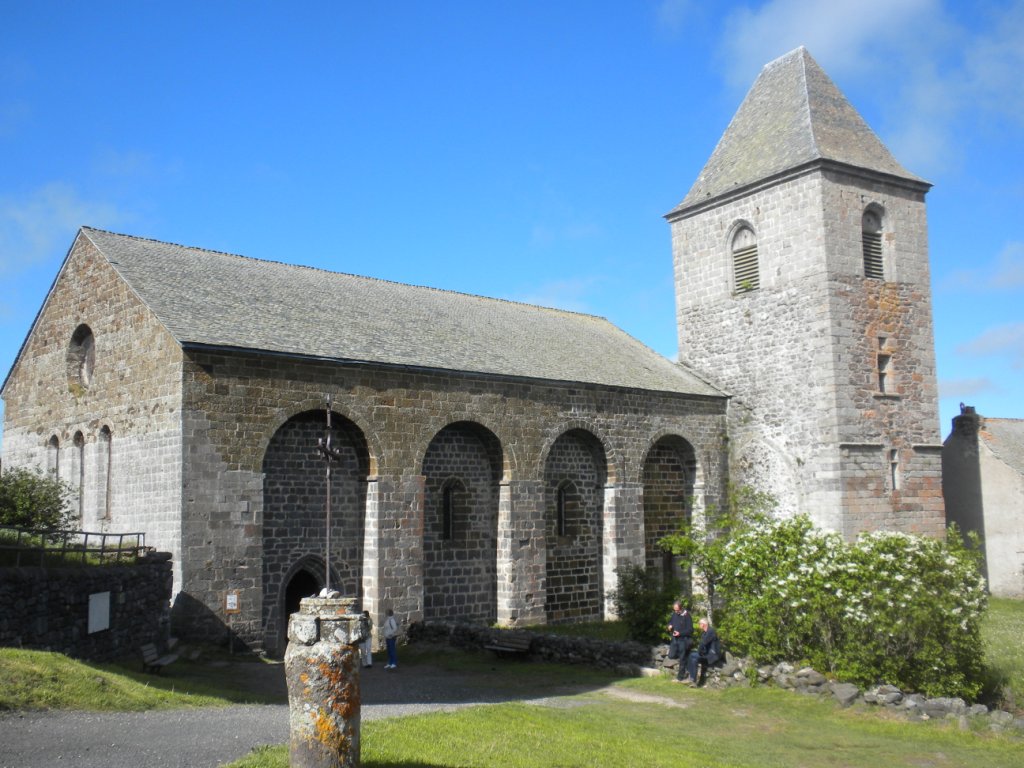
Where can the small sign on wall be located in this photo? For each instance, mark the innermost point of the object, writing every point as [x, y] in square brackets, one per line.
[232, 602]
[99, 612]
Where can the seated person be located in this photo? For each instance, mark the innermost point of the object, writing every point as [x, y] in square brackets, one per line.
[707, 652]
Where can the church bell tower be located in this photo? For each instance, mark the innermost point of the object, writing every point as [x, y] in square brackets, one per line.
[802, 291]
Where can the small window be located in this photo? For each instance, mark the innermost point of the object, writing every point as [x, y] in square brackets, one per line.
[103, 455]
[452, 501]
[53, 456]
[894, 469]
[81, 359]
[447, 512]
[78, 472]
[746, 275]
[871, 239]
[884, 361]
[561, 526]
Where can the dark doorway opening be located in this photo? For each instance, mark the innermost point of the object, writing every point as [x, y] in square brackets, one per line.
[303, 584]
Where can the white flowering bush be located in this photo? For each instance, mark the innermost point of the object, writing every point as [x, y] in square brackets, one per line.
[889, 607]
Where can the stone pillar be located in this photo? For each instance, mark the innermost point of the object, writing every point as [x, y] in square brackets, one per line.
[521, 554]
[623, 537]
[322, 670]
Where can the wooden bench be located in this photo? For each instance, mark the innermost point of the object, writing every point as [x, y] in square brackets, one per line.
[510, 643]
[152, 661]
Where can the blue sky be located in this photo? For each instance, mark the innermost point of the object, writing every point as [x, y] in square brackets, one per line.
[524, 150]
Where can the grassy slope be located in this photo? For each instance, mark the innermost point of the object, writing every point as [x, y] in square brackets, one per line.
[666, 725]
[42, 680]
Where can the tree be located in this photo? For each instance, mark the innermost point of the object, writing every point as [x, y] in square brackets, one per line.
[702, 544]
[31, 499]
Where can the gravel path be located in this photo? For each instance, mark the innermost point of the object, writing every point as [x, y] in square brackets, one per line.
[211, 736]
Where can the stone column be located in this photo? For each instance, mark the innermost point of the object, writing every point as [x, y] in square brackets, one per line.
[521, 553]
[322, 670]
[623, 542]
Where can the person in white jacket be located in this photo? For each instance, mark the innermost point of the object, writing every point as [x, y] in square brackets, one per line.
[391, 639]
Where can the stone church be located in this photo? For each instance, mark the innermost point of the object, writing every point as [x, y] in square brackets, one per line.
[497, 462]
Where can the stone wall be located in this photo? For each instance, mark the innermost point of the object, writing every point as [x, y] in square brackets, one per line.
[48, 608]
[115, 435]
[502, 443]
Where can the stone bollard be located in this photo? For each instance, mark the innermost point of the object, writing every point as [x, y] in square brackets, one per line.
[322, 670]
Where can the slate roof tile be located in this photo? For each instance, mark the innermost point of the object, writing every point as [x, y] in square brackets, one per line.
[223, 300]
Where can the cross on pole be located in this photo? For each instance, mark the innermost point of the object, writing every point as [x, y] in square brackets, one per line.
[323, 446]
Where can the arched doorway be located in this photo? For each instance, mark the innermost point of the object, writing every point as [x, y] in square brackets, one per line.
[669, 478]
[303, 584]
[294, 521]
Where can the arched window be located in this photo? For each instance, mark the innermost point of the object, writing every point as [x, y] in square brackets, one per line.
[103, 453]
[81, 358]
[566, 508]
[871, 239]
[452, 500]
[746, 276]
[78, 471]
[53, 456]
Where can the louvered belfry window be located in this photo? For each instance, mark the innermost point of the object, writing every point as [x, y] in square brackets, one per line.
[871, 237]
[744, 261]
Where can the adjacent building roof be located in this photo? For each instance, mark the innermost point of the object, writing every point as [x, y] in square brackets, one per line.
[1005, 438]
[793, 115]
[221, 300]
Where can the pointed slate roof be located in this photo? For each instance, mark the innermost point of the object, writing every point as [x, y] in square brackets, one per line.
[206, 298]
[792, 116]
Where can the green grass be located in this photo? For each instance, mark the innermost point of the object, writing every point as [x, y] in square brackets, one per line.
[653, 722]
[43, 680]
[1003, 634]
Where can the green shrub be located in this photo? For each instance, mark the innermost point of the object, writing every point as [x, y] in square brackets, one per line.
[643, 603]
[31, 499]
[889, 607]
[702, 544]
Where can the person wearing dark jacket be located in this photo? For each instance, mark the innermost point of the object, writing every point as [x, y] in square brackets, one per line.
[707, 653]
[680, 629]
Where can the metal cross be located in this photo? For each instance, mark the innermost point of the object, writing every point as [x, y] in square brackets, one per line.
[323, 446]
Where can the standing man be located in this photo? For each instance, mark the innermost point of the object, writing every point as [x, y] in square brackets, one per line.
[391, 639]
[680, 630]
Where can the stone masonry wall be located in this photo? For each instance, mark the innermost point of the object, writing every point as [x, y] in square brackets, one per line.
[48, 608]
[573, 558]
[800, 355]
[459, 578]
[235, 404]
[126, 417]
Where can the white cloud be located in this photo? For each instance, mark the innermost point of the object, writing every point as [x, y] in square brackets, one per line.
[672, 15]
[1001, 341]
[964, 388]
[1005, 274]
[838, 34]
[931, 70]
[42, 224]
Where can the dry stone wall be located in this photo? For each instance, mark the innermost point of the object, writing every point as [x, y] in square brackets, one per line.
[48, 608]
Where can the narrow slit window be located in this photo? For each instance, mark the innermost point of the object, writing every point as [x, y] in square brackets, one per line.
[884, 364]
[894, 469]
[448, 512]
[560, 512]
